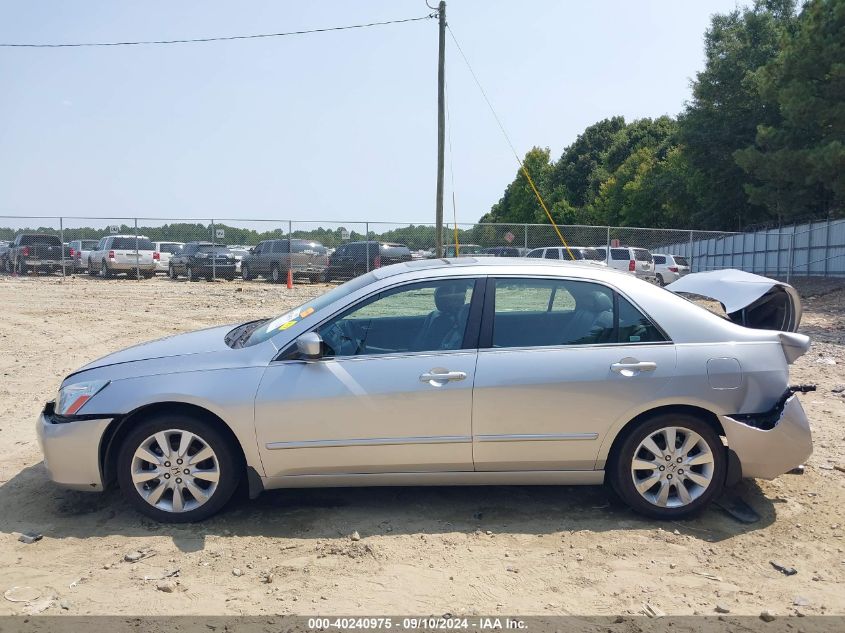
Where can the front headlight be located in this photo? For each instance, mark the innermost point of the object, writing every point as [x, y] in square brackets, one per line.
[73, 397]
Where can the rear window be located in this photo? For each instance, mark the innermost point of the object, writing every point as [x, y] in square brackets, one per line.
[208, 248]
[681, 261]
[642, 255]
[394, 250]
[88, 245]
[50, 240]
[619, 253]
[128, 244]
[308, 247]
[170, 248]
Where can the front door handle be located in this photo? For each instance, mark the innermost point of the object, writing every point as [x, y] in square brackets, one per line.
[632, 367]
[438, 377]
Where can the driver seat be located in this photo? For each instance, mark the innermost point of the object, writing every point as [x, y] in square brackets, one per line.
[444, 327]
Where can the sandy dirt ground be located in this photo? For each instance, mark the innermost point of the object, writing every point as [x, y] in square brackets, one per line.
[422, 551]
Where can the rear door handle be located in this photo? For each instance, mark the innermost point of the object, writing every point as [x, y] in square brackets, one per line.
[437, 376]
[632, 368]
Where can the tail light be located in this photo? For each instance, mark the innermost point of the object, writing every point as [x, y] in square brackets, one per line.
[25, 251]
[156, 256]
[632, 266]
[673, 269]
[377, 262]
[73, 252]
[111, 254]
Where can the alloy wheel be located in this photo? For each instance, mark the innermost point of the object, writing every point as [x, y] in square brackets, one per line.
[672, 467]
[175, 470]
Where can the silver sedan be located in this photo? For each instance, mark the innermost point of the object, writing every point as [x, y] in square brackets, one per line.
[444, 372]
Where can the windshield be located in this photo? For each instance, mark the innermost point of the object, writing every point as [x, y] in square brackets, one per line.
[273, 327]
[208, 248]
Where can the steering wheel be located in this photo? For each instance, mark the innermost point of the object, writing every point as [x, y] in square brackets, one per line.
[344, 338]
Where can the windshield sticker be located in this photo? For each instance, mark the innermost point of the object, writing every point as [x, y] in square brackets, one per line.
[285, 326]
[289, 319]
[306, 312]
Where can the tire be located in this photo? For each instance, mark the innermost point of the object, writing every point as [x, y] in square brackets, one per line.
[660, 281]
[276, 274]
[709, 470]
[91, 271]
[23, 269]
[148, 275]
[104, 270]
[229, 278]
[172, 427]
[171, 272]
[246, 275]
[189, 273]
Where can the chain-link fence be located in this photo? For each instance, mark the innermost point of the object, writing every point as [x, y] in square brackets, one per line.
[279, 250]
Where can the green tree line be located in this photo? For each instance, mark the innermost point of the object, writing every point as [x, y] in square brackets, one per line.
[761, 141]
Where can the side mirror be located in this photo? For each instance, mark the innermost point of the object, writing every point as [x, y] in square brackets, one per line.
[310, 346]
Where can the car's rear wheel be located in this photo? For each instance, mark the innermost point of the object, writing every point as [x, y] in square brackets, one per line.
[189, 273]
[104, 270]
[171, 272]
[91, 270]
[276, 275]
[246, 274]
[670, 466]
[660, 281]
[178, 469]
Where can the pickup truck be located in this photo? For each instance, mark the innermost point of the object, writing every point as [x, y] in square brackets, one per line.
[272, 259]
[38, 252]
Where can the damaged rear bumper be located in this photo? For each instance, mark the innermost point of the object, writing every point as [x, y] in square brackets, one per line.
[772, 443]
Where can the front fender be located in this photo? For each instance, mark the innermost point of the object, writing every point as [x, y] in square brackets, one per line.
[227, 393]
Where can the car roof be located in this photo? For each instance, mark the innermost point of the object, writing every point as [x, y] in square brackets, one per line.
[498, 266]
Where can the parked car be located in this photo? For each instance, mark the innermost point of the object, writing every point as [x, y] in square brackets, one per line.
[4, 256]
[272, 259]
[129, 254]
[355, 258]
[202, 259]
[165, 251]
[239, 253]
[573, 253]
[483, 371]
[38, 252]
[637, 261]
[669, 268]
[502, 251]
[79, 250]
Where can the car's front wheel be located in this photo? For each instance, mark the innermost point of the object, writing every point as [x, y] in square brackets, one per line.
[670, 466]
[176, 468]
[246, 274]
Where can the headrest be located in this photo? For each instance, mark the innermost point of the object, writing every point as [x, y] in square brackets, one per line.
[451, 297]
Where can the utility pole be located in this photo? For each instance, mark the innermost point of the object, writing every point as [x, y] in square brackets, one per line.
[441, 128]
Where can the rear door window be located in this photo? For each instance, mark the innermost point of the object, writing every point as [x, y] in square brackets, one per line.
[547, 312]
[634, 326]
[552, 253]
[659, 259]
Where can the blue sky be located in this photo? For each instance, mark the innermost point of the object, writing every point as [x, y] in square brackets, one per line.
[317, 127]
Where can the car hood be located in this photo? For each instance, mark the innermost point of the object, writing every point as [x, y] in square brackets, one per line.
[200, 342]
[748, 299]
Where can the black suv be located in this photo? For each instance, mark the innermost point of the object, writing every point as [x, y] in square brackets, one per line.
[202, 259]
[350, 260]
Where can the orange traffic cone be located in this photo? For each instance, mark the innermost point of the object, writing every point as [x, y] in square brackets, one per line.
[290, 279]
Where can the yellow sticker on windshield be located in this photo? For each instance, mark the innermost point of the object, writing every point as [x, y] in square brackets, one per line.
[306, 312]
[285, 326]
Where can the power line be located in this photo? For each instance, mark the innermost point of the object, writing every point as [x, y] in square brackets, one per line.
[508, 139]
[224, 38]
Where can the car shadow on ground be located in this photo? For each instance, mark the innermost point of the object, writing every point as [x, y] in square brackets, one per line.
[29, 502]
